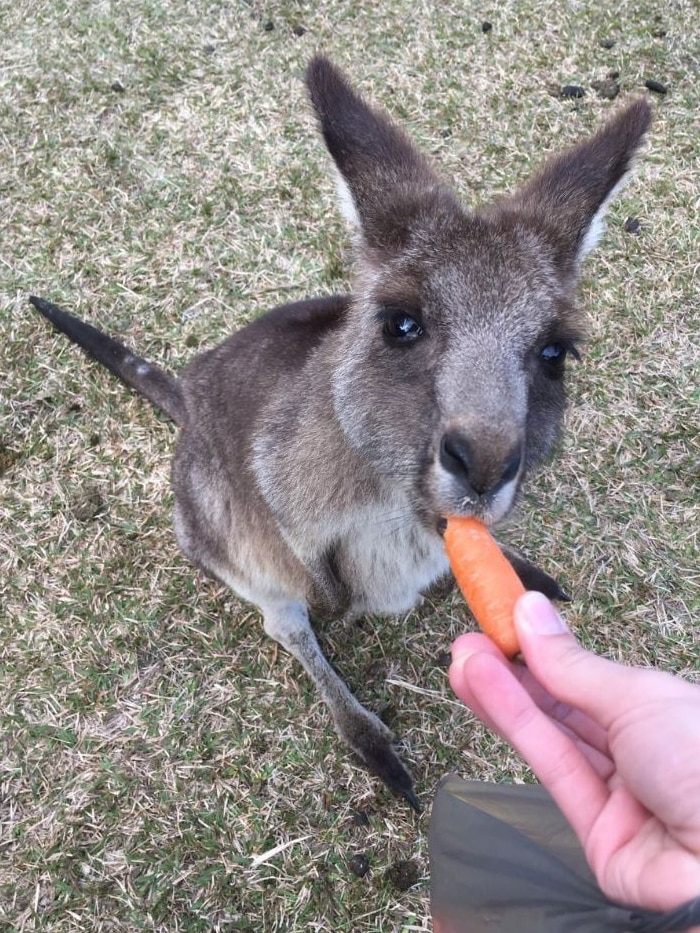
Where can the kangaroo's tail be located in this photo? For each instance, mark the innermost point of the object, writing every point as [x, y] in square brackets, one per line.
[160, 388]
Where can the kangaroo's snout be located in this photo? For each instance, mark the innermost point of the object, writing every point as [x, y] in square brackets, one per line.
[478, 471]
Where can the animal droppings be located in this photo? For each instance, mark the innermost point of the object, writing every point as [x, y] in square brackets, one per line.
[359, 865]
[656, 86]
[403, 875]
[572, 91]
[607, 89]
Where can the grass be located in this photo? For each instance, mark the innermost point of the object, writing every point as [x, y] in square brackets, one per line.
[162, 766]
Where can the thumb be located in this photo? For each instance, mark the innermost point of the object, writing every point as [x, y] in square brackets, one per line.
[592, 684]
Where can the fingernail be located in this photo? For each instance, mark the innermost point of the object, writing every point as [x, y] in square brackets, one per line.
[460, 649]
[535, 611]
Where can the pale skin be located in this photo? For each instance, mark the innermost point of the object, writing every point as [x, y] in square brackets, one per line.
[617, 747]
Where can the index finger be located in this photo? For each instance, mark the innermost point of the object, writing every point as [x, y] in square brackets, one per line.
[577, 722]
[600, 688]
[579, 791]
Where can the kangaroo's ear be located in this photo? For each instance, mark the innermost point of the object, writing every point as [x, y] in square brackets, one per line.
[572, 191]
[382, 178]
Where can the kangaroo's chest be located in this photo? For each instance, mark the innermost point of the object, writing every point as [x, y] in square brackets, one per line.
[387, 563]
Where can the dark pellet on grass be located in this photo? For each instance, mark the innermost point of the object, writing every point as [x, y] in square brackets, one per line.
[572, 91]
[359, 865]
[607, 43]
[269, 26]
[388, 713]
[608, 90]
[359, 818]
[299, 30]
[86, 503]
[656, 86]
[7, 458]
[632, 225]
[117, 87]
[486, 26]
[375, 670]
[403, 875]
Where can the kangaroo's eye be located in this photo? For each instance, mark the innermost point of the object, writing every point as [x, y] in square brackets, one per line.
[553, 356]
[553, 353]
[400, 328]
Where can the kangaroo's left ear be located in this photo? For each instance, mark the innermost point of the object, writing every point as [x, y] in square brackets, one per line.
[382, 177]
[569, 196]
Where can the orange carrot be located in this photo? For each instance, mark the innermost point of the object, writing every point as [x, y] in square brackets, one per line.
[488, 582]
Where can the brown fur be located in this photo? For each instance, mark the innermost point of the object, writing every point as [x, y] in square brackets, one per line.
[322, 445]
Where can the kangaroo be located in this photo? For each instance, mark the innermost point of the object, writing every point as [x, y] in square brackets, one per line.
[323, 444]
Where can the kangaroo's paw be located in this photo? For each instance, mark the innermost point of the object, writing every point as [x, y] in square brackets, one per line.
[370, 739]
[533, 578]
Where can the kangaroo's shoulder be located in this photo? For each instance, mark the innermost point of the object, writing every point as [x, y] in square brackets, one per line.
[282, 337]
[301, 324]
[309, 314]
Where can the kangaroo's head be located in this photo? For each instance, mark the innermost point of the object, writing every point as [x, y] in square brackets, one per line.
[451, 364]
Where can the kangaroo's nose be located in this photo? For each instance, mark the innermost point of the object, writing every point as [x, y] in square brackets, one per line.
[482, 471]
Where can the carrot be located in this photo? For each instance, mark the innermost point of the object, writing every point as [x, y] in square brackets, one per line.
[488, 582]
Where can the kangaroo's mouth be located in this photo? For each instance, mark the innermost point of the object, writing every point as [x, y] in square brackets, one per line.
[490, 509]
[471, 480]
[481, 514]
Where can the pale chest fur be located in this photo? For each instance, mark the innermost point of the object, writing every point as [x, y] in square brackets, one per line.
[388, 565]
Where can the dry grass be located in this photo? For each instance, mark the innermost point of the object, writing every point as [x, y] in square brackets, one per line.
[162, 767]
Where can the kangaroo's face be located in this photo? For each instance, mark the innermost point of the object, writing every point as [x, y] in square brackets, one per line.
[450, 367]
[463, 335]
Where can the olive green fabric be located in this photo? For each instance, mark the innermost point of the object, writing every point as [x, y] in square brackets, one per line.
[504, 860]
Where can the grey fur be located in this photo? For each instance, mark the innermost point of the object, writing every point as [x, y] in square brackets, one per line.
[322, 444]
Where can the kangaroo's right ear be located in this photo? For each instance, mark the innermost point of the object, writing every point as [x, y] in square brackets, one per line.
[571, 193]
[382, 178]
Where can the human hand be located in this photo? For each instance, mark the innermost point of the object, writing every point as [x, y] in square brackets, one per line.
[617, 747]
